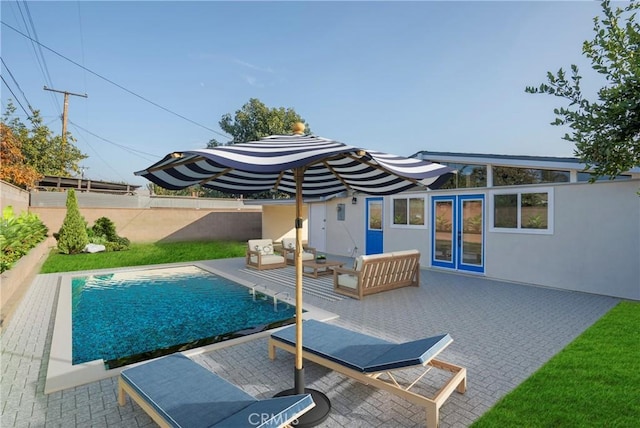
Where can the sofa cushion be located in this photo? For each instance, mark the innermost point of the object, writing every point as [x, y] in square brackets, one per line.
[269, 259]
[289, 243]
[404, 253]
[259, 244]
[357, 263]
[346, 280]
[305, 255]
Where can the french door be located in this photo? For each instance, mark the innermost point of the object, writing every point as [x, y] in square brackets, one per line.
[457, 232]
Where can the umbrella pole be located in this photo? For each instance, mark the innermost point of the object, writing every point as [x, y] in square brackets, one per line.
[322, 407]
[299, 369]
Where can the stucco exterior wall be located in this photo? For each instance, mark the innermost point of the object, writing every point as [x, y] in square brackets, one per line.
[343, 236]
[278, 221]
[595, 247]
[14, 196]
[166, 224]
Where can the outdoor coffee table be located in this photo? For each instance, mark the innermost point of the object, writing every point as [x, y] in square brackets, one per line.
[319, 269]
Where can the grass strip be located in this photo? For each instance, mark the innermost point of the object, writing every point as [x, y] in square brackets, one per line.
[145, 254]
[593, 382]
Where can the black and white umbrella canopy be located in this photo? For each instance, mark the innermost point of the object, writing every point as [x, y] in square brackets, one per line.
[330, 167]
[302, 166]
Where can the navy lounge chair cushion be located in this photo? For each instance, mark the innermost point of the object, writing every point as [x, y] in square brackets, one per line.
[362, 352]
[188, 395]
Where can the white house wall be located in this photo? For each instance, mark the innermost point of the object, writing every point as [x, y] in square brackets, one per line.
[343, 236]
[595, 247]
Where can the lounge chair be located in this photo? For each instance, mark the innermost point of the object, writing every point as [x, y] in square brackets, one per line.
[373, 361]
[177, 392]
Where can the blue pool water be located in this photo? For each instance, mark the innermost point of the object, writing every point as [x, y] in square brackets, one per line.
[126, 317]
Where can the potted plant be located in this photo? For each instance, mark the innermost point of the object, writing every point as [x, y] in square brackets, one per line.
[321, 258]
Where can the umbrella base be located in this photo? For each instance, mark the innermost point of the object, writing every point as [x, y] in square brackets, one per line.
[317, 414]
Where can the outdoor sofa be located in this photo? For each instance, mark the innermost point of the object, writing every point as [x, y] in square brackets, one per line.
[377, 362]
[378, 272]
[178, 392]
[261, 255]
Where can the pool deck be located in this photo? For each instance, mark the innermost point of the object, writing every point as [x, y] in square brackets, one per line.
[502, 333]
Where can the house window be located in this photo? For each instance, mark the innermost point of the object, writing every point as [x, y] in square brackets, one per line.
[466, 176]
[408, 212]
[524, 211]
[509, 176]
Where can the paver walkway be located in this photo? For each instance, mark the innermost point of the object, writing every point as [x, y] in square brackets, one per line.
[502, 333]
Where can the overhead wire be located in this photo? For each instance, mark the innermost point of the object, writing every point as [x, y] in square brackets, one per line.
[14, 96]
[97, 153]
[40, 59]
[114, 83]
[128, 149]
[19, 88]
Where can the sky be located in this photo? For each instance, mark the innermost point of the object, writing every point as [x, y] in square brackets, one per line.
[398, 77]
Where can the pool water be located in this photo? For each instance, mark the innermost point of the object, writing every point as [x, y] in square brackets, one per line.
[127, 317]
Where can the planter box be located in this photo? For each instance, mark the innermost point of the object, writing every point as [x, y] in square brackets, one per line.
[15, 281]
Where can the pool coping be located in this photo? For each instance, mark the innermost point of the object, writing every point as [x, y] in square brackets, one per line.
[62, 374]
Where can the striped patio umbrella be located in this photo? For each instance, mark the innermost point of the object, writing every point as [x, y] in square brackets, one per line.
[301, 166]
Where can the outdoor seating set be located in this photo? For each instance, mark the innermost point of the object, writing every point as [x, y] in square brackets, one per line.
[176, 391]
[371, 274]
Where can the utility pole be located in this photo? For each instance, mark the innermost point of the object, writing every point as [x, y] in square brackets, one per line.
[65, 109]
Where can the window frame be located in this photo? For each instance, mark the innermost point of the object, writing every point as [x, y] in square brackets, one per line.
[519, 192]
[408, 198]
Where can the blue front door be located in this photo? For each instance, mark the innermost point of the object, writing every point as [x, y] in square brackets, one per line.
[457, 232]
[374, 240]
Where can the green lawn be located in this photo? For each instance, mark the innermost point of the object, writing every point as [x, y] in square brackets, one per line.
[593, 382]
[145, 254]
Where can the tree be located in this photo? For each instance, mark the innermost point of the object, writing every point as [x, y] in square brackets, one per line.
[255, 120]
[606, 132]
[72, 237]
[45, 152]
[252, 122]
[13, 168]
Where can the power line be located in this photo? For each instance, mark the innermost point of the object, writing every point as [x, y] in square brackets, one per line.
[18, 86]
[128, 149]
[114, 83]
[14, 96]
[30, 28]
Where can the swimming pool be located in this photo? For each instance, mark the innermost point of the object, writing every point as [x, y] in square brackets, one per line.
[62, 374]
[126, 317]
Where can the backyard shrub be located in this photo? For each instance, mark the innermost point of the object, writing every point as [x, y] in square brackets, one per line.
[18, 235]
[72, 237]
[104, 232]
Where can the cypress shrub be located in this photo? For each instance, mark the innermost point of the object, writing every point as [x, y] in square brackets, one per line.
[72, 237]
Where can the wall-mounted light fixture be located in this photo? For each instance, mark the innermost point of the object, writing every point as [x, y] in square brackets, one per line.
[354, 200]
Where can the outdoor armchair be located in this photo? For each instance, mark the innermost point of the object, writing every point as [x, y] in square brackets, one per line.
[289, 249]
[261, 255]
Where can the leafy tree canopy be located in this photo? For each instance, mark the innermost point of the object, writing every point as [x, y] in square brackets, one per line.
[13, 168]
[255, 120]
[46, 153]
[606, 132]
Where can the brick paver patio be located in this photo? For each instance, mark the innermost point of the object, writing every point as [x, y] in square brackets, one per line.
[502, 333]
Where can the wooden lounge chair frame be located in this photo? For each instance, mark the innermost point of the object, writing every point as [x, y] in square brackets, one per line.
[386, 380]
